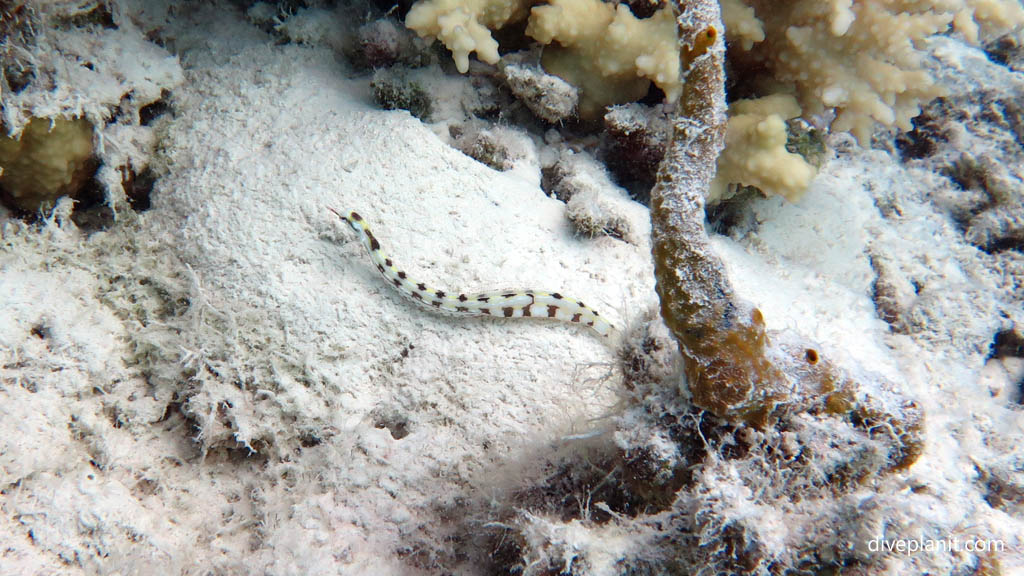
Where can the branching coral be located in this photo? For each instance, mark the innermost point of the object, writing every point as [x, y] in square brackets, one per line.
[382, 43]
[635, 139]
[604, 50]
[858, 63]
[594, 205]
[977, 19]
[861, 58]
[464, 26]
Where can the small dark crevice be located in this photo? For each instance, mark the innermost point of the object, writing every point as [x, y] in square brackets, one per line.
[100, 16]
[138, 187]
[395, 423]
[91, 212]
[1007, 343]
[41, 331]
[926, 136]
[153, 110]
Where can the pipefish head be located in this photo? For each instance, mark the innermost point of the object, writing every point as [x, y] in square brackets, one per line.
[353, 219]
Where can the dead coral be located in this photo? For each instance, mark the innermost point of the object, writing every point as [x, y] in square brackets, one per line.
[382, 43]
[1003, 485]
[989, 202]
[17, 29]
[648, 356]
[927, 134]
[1007, 50]
[497, 147]
[635, 137]
[1000, 226]
[892, 292]
[732, 216]
[394, 90]
[1008, 343]
[985, 196]
[550, 98]
[594, 205]
[592, 215]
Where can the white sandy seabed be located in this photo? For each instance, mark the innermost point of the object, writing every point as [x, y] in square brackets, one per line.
[222, 384]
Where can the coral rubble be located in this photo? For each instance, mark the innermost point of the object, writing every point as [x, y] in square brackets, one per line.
[549, 97]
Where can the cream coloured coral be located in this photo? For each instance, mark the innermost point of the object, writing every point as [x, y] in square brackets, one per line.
[741, 23]
[464, 26]
[860, 58]
[859, 61]
[600, 48]
[606, 51]
[978, 19]
[52, 158]
[755, 150]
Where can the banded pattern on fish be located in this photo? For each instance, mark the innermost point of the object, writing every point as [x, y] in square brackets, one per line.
[500, 303]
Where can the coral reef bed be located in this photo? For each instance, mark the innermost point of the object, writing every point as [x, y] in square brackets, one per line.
[214, 379]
